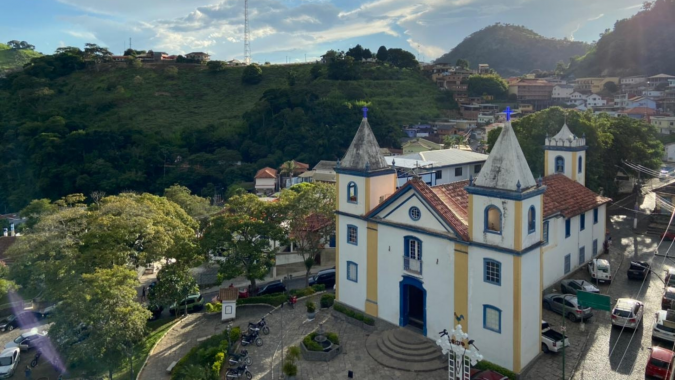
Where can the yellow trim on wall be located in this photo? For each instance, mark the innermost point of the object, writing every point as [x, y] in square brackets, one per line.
[470, 217]
[461, 285]
[541, 287]
[518, 227]
[574, 166]
[337, 238]
[367, 196]
[546, 172]
[517, 310]
[371, 262]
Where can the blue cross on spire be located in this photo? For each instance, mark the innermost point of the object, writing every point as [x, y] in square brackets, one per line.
[365, 112]
[508, 113]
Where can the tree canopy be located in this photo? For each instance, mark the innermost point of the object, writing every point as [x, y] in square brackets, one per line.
[488, 84]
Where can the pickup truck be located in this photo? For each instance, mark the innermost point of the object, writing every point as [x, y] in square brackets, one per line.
[551, 340]
[638, 270]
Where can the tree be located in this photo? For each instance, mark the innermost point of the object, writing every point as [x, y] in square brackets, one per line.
[194, 205]
[367, 54]
[291, 77]
[216, 66]
[36, 209]
[462, 63]
[316, 71]
[382, 54]
[101, 315]
[288, 169]
[248, 234]
[490, 84]
[135, 63]
[402, 59]
[252, 74]
[310, 219]
[610, 87]
[171, 72]
[14, 44]
[96, 54]
[174, 283]
[356, 52]
[453, 140]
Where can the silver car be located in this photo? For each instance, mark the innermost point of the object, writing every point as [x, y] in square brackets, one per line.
[573, 286]
[573, 311]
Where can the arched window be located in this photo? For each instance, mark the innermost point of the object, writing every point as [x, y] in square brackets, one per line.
[493, 220]
[531, 220]
[580, 164]
[559, 165]
[352, 193]
[412, 262]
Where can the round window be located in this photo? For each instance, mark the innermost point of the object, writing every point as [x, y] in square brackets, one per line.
[415, 213]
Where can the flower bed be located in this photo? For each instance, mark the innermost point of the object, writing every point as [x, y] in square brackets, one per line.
[209, 355]
[272, 299]
[354, 318]
[312, 351]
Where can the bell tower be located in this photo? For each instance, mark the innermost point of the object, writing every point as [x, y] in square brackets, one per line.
[565, 153]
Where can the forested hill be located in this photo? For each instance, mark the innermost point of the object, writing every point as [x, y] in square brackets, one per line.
[70, 129]
[513, 50]
[640, 45]
[12, 59]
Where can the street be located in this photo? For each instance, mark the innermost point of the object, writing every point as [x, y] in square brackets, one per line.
[294, 283]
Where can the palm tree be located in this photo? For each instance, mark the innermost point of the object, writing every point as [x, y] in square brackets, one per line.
[288, 168]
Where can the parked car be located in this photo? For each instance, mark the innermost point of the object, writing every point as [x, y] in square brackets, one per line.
[477, 374]
[668, 300]
[627, 313]
[638, 270]
[9, 361]
[600, 270]
[573, 311]
[324, 277]
[29, 340]
[669, 279]
[192, 302]
[572, 286]
[663, 328]
[660, 364]
[551, 340]
[272, 287]
[156, 311]
[22, 319]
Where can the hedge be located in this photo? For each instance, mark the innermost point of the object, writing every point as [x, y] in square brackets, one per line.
[486, 365]
[327, 300]
[210, 354]
[214, 307]
[273, 299]
[311, 345]
[352, 314]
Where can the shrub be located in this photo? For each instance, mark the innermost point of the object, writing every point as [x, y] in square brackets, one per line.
[327, 300]
[333, 337]
[171, 72]
[214, 307]
[290, 369]
[319, 287]
[369, 321]
[486, 365]
[310, 344]
[303, 292]
[218, 364]
[293, 353]
[252, 74]
[206, 360]
[339, 308]
[359, 317]
[235, 334]
[311, 307]
[274, 300]
[352, 314]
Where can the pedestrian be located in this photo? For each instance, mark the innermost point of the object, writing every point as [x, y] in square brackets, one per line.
[28, 371]
[143, 294]
[609, 239]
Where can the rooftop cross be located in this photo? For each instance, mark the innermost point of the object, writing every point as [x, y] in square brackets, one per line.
[365, 112]
[508, 113]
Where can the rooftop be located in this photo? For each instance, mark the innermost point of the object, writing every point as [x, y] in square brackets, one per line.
[328, 166]
[266, 173]
[445, 157]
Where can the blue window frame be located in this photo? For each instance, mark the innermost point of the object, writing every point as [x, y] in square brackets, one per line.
[352, 193]
[352, 234]
[568, 263]
[492, 271]
[559, 165]
[581, 161]
[595, 247]
[492, 318]
[412, 261]
[546, 233]
[493, 220]
[415, 213]
[595, 216]
[582, 222]
[531, 220]
[568, 227]
[352, 271]
[582, 255]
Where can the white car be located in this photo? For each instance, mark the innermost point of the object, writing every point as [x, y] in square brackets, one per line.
[627, 313]
[9, 361]
[663, 328]
[600, 270]
[25, 339]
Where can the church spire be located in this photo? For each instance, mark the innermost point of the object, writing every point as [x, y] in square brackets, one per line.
[506, 168]
[364, 152]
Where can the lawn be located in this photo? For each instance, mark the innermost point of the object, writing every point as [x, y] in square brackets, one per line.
[157, 330]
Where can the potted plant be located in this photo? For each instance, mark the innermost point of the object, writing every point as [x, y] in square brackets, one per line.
[290, 368]
[311, 309]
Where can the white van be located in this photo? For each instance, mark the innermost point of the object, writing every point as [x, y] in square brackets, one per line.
[600, 270]
[664, 328]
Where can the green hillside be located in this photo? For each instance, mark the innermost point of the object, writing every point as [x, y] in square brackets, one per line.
[640, 45]
[70, 129]
[11, 59]
[513, 50]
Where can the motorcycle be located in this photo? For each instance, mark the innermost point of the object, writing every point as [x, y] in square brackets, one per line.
[34, 362]
[240, 358]
[251, 337]
[292, 300]
[261, 325]
[235, 373]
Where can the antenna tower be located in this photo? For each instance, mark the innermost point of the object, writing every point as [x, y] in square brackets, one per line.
[247, 42]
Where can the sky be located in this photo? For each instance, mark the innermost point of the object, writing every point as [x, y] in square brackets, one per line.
[295, 30]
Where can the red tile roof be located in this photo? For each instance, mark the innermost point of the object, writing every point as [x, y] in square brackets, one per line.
[266, 173]
[639, 111]
[569, 197]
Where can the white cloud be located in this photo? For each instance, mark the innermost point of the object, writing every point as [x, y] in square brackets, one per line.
[632, 7]
[574, 31]
[598, 17]
[82, 35]
[428, 51]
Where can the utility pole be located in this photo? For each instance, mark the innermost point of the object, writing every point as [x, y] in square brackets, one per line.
[637, 200]
[129, 42]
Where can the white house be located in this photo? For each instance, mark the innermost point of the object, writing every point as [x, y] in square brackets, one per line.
[266, 180]
[633, 80]
[485, 118]
[669, 152]
[448, 165]
[562, 92]
[477, 252]
[595, 100]
[671, 82]
[665, 124]
[652, 93]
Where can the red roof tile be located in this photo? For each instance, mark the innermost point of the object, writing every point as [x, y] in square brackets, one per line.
[569, 197]
[266, 173]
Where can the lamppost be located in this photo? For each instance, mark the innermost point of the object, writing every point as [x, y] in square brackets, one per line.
[563, 332]
[229, 342]
[461, 355]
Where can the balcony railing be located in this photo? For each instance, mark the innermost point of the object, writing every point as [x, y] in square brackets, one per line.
[412, 265]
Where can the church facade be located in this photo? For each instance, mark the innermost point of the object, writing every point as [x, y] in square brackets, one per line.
[477, 252]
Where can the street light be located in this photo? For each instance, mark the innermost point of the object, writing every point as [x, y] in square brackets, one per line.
[563, 332]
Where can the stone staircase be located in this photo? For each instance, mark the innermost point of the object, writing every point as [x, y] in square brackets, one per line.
[406, 351]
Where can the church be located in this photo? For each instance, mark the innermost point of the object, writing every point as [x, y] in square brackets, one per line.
[478, 252]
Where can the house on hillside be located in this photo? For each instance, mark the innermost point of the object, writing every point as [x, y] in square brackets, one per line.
[562, 92]
[595, 100]
[641, 102]
[447, 165]
[266, 180]
[665, 124]
[324, 171]
[641, 113]
[658, 79]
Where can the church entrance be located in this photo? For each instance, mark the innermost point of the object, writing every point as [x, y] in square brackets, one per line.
[413, 304]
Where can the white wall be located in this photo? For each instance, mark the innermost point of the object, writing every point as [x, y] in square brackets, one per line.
[381, 187]
[449, 173]
[288, 258]
[398, 212]
[265, 183]
[530, 238]
[569, 165]
[353, 293]
[530, 307]
[352, 208]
